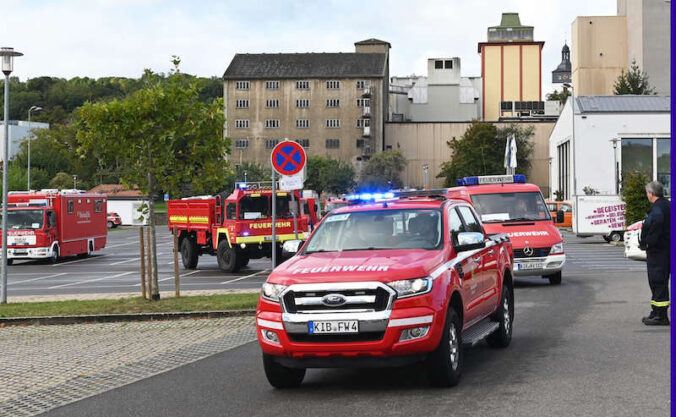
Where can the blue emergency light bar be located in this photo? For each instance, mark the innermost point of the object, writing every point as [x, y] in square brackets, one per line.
[241, 185]
[370, 196]
[492, 179]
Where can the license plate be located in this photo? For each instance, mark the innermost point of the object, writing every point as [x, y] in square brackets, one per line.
[527, 266]
[20, 241]
[337, 326]
[20, 252]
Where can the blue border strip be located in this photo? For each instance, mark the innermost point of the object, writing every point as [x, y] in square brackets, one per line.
[673, 226]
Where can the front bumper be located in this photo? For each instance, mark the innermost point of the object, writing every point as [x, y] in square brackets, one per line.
[29, 253]
[539, 266]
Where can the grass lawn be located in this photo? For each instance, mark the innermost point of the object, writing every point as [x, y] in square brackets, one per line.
[131, 305]
[160, 206]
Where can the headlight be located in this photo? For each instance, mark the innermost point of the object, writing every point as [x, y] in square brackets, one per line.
[272, 291]
[558, 248]
[410, 287]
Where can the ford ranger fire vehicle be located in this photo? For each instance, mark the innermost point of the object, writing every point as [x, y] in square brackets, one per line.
[507, 204]
[51, 224]
[236, 227]
[387, 283]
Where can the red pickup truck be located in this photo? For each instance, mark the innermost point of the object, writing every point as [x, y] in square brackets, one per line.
[387, 283]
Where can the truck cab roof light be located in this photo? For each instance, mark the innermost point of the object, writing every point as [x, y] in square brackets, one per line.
[492, 179]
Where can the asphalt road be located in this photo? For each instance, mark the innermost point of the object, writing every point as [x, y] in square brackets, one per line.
[115, 269]
[578, 349]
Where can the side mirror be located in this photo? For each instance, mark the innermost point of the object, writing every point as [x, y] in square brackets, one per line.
[559, 216]
[290, 248]
[470, 241]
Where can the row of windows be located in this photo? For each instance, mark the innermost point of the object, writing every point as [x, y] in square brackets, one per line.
[300, 123]
[300, 103]
[301, 85]
[305, 143]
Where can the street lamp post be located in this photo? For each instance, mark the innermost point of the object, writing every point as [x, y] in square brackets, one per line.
[572, 107]
[7, 55]
[33, 108]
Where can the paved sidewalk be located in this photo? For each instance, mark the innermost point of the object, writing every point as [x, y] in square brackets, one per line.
[47, 366]
[116, 296]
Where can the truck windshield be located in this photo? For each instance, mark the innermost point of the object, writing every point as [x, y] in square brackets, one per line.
[25, 219]
[333, 206]
[378, 229]
[509, 207]
[259, 207]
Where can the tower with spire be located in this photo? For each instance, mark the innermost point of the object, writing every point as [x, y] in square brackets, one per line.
[562, 73]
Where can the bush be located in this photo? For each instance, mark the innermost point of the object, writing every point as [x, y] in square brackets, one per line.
[633, 194]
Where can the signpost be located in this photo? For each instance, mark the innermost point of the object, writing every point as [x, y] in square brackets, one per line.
[288, 159]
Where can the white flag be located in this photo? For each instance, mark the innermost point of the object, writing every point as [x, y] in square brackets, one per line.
[512, 152]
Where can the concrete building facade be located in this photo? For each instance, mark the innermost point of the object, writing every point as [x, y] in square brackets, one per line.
[603, 46]
[511, 66]
[333, 104]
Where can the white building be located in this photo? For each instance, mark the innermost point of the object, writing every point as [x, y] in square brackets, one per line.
[613, 134]
[18, 132]
[441, 96]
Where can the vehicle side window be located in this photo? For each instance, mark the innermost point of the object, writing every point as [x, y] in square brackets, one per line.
[51, 219]
[551, 207]
[471, 223]
[231, 212]
[98, 206]
[454, 225]
[71, 205]
[566, 208]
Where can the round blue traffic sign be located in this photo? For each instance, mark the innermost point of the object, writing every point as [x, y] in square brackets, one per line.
[288, 158]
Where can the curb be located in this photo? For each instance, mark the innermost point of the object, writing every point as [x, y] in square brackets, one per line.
[112, 318]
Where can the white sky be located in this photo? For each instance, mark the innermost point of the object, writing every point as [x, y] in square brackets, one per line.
[97, 38]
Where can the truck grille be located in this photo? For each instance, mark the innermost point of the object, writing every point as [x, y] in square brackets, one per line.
[356, 299]
[336, 338]
[537, 253]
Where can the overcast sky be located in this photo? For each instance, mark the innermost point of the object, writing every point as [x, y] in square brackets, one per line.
[95, 38]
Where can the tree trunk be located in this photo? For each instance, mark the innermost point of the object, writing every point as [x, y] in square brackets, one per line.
[155, 296]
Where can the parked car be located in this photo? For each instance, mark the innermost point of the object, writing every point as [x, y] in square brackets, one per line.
[114, 220]
[561, 210]
[631, 236]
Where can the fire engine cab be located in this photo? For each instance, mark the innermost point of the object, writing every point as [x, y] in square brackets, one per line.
[235, 227]
[507, 204]
[51, 224]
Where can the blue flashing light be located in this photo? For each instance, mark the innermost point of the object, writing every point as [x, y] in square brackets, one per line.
[520, 179]
[245, 233]
[492, 179]
[388, 195]
[377, 196]
[241, 186]
[366, 196]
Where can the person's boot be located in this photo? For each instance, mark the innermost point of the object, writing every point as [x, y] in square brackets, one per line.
[659, 318]
[651, 316]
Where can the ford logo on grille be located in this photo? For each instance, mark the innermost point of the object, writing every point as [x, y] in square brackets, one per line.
[528, 251]
[334, 300]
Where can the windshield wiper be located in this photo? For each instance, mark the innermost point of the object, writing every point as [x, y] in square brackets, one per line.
[523, 219]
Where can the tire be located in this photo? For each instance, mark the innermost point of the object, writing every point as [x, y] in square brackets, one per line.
[505, 316]
[606, 238]
[243, 259]
[444, 364]
[189, 253]
[282, 377]
[115, 225]
[111, 225]
[554, 279]
[227, 257]
[10, 261]
[55, 255]
[616, 236]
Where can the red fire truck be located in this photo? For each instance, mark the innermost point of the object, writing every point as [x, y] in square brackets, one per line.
[235, 228]
[51, 224]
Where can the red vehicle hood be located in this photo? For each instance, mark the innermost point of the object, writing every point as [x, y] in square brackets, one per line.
[374, 265]
[539, 234]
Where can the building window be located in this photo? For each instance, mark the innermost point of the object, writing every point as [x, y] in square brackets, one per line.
[271, 143]
[303, 103]
[272, 85]
[333, 123]
[438, 64]
[271, 123]
[333, 85]
[242, 123]
[650, 156]
[241, 143]
[360, 143]
[333, 102]
[664, 163]
[332, 143]
[241, 85]
[98, 206]
[305, 143]
[242, 104]
[302, 123]
[363, 123]
[363, 83]
[564, 164]
[272, 103]
[363, 102]
[448, 64]
[303, 85]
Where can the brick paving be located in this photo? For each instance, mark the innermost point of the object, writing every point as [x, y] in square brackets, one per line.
[44, 367]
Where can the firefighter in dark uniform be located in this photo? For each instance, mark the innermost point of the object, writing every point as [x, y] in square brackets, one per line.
[655, 240]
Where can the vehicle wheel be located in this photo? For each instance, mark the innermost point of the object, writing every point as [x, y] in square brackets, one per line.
[10, 261]
[554, 279]
[243, 259]
[280, 376]
[115, 226]
[55, 255]
[444, 365]
[606, 238]
[505, 316]
[111, 225]
[227, 257]
[616, 236]
[189, 253]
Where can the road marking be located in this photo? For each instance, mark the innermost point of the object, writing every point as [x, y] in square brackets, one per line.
[183, 275]
[132, 259]
[92, 280]
[37, 279]
[245, 277]
[78, 260]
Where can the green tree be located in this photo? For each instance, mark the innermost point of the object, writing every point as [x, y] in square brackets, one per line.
[254, 173]
[163, 138]
[329, 175]
[561, 97]
[61, 181]
[383, 171]
[633, 194]
[634, 81]
[481, 151]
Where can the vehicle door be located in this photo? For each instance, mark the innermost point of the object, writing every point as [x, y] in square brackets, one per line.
[466, 268]
[553, 208]
[487, 262]
[567, 214]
